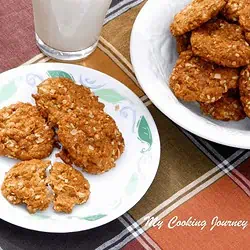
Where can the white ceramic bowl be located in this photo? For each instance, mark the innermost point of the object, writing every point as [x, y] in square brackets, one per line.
[153, 54]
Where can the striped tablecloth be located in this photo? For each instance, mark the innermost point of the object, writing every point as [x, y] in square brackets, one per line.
[198, 181]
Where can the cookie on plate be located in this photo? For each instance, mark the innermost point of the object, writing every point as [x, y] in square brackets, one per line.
[24, 133]
[25, 183]
[244, 86]
[69, 187]
[233, 8]
[91, 140]
[222, 43]
[195, 14]
[58, 97]
[183, 42]
[225, 109]
[193, 79]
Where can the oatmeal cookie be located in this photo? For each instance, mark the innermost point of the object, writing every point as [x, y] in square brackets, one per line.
[222, 43]
[91, 140]
[183, 42]
[244, 18]
[57, 97]
[244, 86]
[195, 14]
[247, 36]
[232, 9]
[24, 133]
[193, 79]
[69, 186]
[25, 183]
[225, 109]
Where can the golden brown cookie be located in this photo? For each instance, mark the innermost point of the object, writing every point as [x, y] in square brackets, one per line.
[69, 186]
[244, 86]
[25, 183]
[233, 8]
[91, 140]
[247, 36]
[195, 14]
[244, 18]
[222, 43]
[57, 97]
[183, 42]
[193, 79]
[24, 133]
[225, 109]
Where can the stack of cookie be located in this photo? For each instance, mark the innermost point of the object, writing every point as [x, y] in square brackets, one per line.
[67, 115]
[213, 68]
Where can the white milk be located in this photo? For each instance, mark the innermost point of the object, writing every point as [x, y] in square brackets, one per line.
[69, 25]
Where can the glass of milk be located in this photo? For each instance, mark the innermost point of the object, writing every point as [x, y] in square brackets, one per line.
[69, 29]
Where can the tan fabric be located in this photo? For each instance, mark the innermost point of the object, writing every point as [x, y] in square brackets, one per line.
[118, 34]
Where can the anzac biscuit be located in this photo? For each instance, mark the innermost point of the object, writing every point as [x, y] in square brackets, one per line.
[195, 14]
[244, 86]
[25, 183]
[91, 140]
[233, 8]
[247, 36]
[222, 43]
[69, 186]
[225, 109]
[24, 133]
[57, 97]
[183, 42]
[244, 18]
[196, 80]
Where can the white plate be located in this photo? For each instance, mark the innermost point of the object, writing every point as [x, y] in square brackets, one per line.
[112, 193]
[153, 53]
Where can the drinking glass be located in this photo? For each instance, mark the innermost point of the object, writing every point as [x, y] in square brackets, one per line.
[69, 29]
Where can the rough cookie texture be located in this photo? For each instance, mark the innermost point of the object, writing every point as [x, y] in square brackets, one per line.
[244, 85]
[247, 36]
[222, 43]
[193, 79]
[244, 18]
[91, 140]
[183, 42]
[69, 186]
[25, 183]
[24, 133]
[233, 8]
[58, 97]
[195, 14]
[226, 109]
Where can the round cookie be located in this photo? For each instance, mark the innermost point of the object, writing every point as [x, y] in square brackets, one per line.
[232, 9]
[25, 183]
[195, 14]
[69, 187]
[193, 79]
[57, 97]
[24, 134]
[225, 109]
[91, 140]
[222, 43]
[244, 86]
